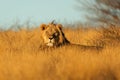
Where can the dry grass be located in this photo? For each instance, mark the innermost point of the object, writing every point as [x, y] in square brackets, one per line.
[22, 59]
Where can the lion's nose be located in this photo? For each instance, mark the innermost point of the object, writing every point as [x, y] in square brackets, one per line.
[51, 37]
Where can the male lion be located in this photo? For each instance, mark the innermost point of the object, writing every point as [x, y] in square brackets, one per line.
[53, 36]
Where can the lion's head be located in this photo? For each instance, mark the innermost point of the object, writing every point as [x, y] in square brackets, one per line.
[53, 35]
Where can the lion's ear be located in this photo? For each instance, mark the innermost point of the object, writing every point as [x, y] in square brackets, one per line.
[59, 26]
[43, 27]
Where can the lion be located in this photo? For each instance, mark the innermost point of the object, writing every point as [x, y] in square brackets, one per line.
[53, 36]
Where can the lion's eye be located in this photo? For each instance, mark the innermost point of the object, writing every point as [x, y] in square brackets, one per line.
[56, 34]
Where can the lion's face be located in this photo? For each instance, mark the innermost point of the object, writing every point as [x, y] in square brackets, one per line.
[52, 34]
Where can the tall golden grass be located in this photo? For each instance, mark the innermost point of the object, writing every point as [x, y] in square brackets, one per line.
[22, 59]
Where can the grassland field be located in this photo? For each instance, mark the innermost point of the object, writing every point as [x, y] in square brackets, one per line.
[22, 59]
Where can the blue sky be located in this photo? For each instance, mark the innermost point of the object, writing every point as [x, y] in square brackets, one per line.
[38, 11]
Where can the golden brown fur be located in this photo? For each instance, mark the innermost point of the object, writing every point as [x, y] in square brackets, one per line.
[53, 35]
